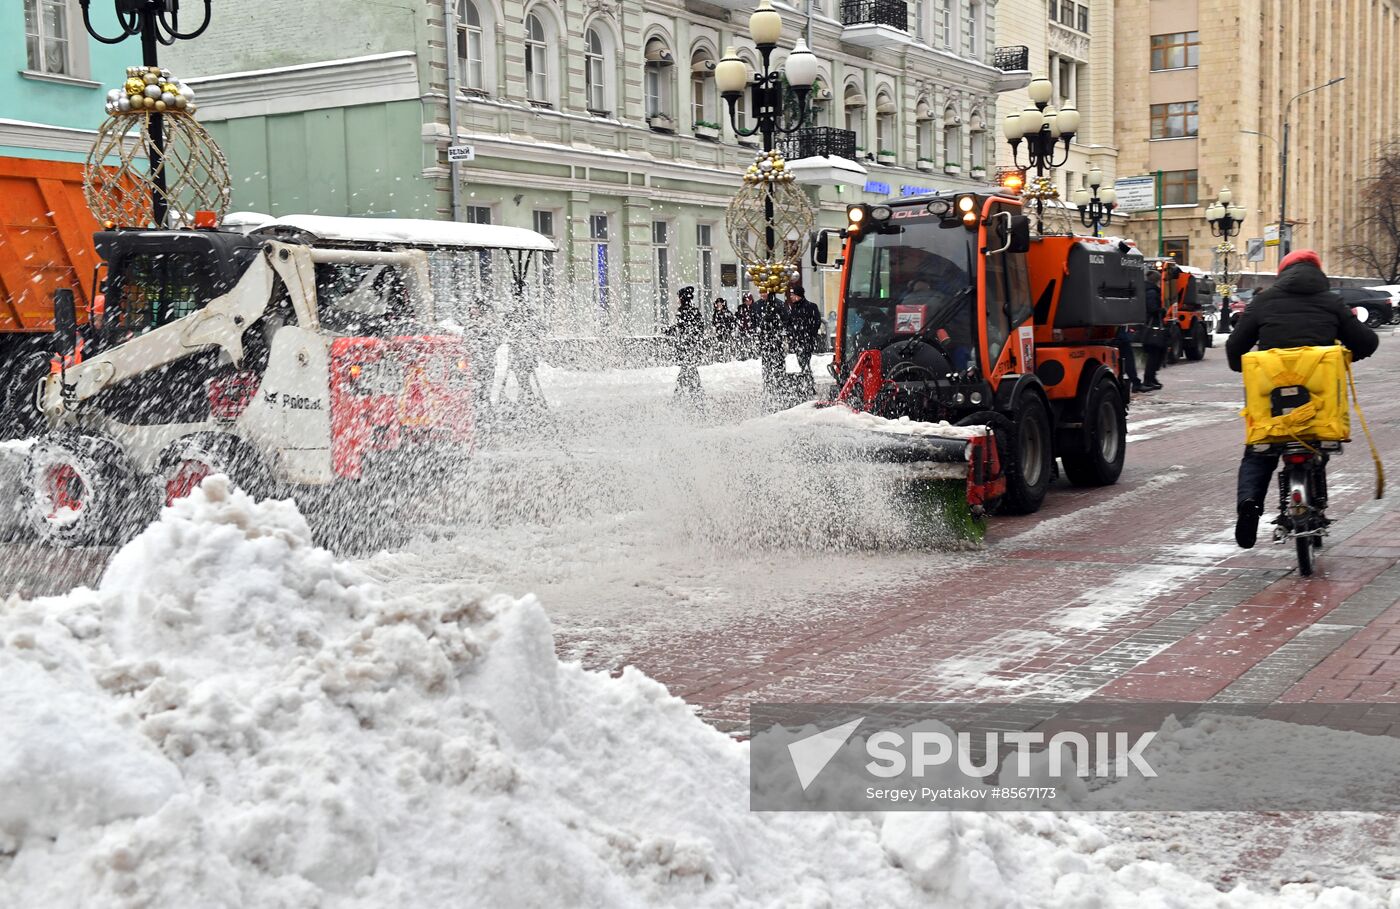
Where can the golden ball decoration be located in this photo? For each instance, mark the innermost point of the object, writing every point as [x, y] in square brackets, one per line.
[767, 180]
[117, 180]
[150, 88]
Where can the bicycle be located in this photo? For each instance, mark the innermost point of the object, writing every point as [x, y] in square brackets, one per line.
[1302, 486]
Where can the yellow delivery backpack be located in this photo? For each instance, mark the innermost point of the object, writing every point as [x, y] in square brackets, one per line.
[1296, 393]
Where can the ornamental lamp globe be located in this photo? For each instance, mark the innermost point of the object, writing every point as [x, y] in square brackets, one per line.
[732, 73]
[1032, 120]
[1041, 90]
[1011, 127]
[1109, 196]
[801, 66]
[765, 25]
[1069, 120]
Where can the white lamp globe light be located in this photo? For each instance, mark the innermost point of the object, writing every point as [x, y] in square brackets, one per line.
[1032, 120]
[1095, 177]
[801, 65]
[1237, 212]
[732, 73]
[1052, 120]
[1109, 196]
[765, 25]
[1081, 197]
[1069, 120]
[1041, 90]
[1226, 196]
[1011, 127]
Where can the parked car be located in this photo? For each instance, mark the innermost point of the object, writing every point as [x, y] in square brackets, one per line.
[1394, 291]
[1374, 307]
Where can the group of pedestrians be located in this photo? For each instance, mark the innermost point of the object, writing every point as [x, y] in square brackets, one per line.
[1153, 337]
[766, 329]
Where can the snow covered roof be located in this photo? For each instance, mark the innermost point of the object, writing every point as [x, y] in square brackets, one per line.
[413, 232]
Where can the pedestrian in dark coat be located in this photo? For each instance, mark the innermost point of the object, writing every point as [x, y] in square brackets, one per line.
[804, 320]
[688, 335]
[723, 323]
[1154, 335]
[771, 337]
[1299, 310]
[746, 326]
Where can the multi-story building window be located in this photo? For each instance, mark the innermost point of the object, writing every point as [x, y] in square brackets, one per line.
[972, 35]
[543, 222]
[1067, 13]
[952, 137]
[593, 72]
[705, 260]
[1054, 10]
[944, 23]
[536, 60]
[1178, 248]
[1180, 187]
[923, 140]
[702, 87]
[656, 81]
[1068, 74]
[477, 214]
[602, 277]
[661, 270]
[885, 138]
[1176, 51]
[1083, 18]
[470, 47]
[46, 36]
[1176, 120]
[855, 113]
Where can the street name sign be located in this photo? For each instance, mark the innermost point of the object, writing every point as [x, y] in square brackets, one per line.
[461, 153]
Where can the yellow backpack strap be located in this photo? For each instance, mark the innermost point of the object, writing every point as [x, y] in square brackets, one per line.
[1375, 455]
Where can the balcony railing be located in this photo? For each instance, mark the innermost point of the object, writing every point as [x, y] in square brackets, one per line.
[1012, 59]
[894, 13]
[816, 141]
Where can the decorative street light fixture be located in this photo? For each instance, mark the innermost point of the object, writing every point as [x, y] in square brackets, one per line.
[1095, 206]
[1225, 220]
[786, 212]
[1042, 128]
[157, 22]
[767, 92]
[1285, 239]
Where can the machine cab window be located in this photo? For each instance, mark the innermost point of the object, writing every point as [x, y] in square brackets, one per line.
[155, 289]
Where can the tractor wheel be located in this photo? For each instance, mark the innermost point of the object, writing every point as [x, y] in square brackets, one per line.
[1196, 342]
[1174, 344]
[19, 416]
[1106, 427]
[1028, 456]
[185, 464]
[82, 492]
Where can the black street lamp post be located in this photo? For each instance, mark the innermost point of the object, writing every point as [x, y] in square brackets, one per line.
[1096, 206]
[767, 92]
[1225, 221]
[1042, 128]
[157, 22]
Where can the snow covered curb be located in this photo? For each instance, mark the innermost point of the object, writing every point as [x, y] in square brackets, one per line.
[235, 718]
[14, 458]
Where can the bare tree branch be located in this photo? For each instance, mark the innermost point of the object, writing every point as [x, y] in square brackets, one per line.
[1376, 236]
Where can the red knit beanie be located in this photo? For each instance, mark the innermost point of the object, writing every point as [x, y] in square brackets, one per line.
[1302, 255]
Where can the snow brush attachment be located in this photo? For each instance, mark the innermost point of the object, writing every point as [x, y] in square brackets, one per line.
[940, 477]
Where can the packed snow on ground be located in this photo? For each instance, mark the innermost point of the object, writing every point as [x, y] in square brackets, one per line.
[235, 718]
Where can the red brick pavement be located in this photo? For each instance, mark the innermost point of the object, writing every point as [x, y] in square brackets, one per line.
[1131, 591]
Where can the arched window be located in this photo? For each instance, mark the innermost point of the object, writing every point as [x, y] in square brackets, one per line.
[702, 89]
[658, 84]
[977, 141]
[952, 137]
[471, 47]
[855, 114]
[923, 132]
[536, 60]
[886, 142]
[593, 72]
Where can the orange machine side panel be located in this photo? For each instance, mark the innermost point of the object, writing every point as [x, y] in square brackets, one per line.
[1072, 361]
[45, 241]
[1047, 261]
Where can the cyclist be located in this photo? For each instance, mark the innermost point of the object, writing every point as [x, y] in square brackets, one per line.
[1299, 310]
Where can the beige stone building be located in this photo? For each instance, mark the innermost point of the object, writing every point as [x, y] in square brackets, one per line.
[1071, 43]
[1202, 92]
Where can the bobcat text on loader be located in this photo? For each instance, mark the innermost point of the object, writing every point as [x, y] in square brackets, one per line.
[951, 311]
[298, 359]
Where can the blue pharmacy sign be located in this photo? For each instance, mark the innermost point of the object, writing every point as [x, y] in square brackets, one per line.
[907, 191]
[875, 186]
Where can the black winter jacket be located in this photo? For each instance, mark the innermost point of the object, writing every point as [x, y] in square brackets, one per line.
[1300, 310]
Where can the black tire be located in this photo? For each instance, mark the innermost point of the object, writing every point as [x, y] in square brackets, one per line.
[1196, 342]
[1174, 344]
[185, 464]
[1028, 457]
[1106, 432]
[1305, 555]
[1373, 318]
[82, 492]
[19, 417]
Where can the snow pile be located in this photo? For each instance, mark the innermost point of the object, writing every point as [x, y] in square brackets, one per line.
[843, 418]
[234, 718]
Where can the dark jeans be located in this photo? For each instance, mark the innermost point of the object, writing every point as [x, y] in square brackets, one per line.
[1257, 474]
[1125, 353]
[1155, 355]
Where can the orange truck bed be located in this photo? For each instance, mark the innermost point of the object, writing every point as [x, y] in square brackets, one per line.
[45, 242]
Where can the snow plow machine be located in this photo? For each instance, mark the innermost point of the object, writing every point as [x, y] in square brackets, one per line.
[296, 364]
[986, 353]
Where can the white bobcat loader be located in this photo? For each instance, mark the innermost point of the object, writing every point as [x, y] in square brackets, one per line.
[293, 369]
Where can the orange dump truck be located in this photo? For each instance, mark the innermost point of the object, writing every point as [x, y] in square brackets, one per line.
[46, 243]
